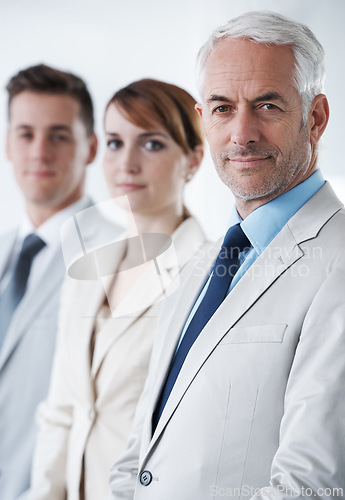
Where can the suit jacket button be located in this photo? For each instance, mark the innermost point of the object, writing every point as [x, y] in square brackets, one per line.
[145, 477]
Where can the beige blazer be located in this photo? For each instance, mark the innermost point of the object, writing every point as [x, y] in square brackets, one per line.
[258, 408]
[89, 411]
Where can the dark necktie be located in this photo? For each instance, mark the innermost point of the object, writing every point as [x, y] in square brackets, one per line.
[223, 271]
[16, 287]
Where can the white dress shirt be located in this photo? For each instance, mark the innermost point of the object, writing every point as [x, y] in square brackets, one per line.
[49, 232]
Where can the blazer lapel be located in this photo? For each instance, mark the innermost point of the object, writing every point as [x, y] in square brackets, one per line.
[277, 258]
[31, 303]
[90, 298]
[187, 291]
[91, 295]
[81, 233]
[152, 286]
[7, 244]
[107, 336]
[147, 291]
[187, 294]
[159, 279]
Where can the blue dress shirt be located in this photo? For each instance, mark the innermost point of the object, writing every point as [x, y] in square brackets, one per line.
[262, 225]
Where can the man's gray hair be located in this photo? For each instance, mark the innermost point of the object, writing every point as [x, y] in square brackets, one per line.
[274, 29]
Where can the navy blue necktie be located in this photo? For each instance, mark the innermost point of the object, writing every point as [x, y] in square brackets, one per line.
[223, 271]
[16, 287]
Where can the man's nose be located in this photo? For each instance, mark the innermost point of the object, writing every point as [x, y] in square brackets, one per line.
[41, 148]
[244, 128]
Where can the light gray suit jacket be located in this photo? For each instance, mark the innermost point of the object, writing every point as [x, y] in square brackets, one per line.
[25, 365]
[258, 408]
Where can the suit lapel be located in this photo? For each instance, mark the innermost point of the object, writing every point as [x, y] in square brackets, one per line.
[91, 299]
[193, 280]
[107, 337]
[93, 296]
[147, 291]
[92, 230]
[89, 296]
[193, 277]
[152, 286]
[277, 258]
[31, 304]
[7, 244]
[240, 299]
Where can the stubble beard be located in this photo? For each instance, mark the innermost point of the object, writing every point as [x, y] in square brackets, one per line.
[281, 175]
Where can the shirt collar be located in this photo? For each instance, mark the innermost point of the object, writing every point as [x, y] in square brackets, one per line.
[49, 231]
[264, 223]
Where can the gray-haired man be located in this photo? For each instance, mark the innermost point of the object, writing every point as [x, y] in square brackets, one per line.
[245, 397]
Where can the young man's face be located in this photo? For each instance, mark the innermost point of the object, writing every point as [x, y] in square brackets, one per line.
[48, 146]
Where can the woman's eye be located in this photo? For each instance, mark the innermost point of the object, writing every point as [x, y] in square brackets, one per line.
[154, 145]
[113, 144]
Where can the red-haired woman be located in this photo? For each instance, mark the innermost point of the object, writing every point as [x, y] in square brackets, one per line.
[154, 145]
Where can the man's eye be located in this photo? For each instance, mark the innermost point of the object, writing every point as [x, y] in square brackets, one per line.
[154, 145]
[269, 106]
[221, 109]
[114, 144]
[60, 138]
[25, 135]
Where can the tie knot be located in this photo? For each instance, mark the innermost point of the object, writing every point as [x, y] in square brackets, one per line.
[32, 244]
[236, 239]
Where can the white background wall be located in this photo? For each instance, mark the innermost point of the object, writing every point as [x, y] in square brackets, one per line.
[113, 42]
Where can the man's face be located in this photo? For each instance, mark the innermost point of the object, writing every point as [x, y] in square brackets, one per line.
[49, 148]
[252, 117]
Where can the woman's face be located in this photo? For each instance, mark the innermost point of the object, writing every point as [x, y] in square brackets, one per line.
[146, 165]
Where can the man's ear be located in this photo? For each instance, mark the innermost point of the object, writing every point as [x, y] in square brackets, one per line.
[93, 145]
[198, 108]
[195, 159]
[319, 114]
